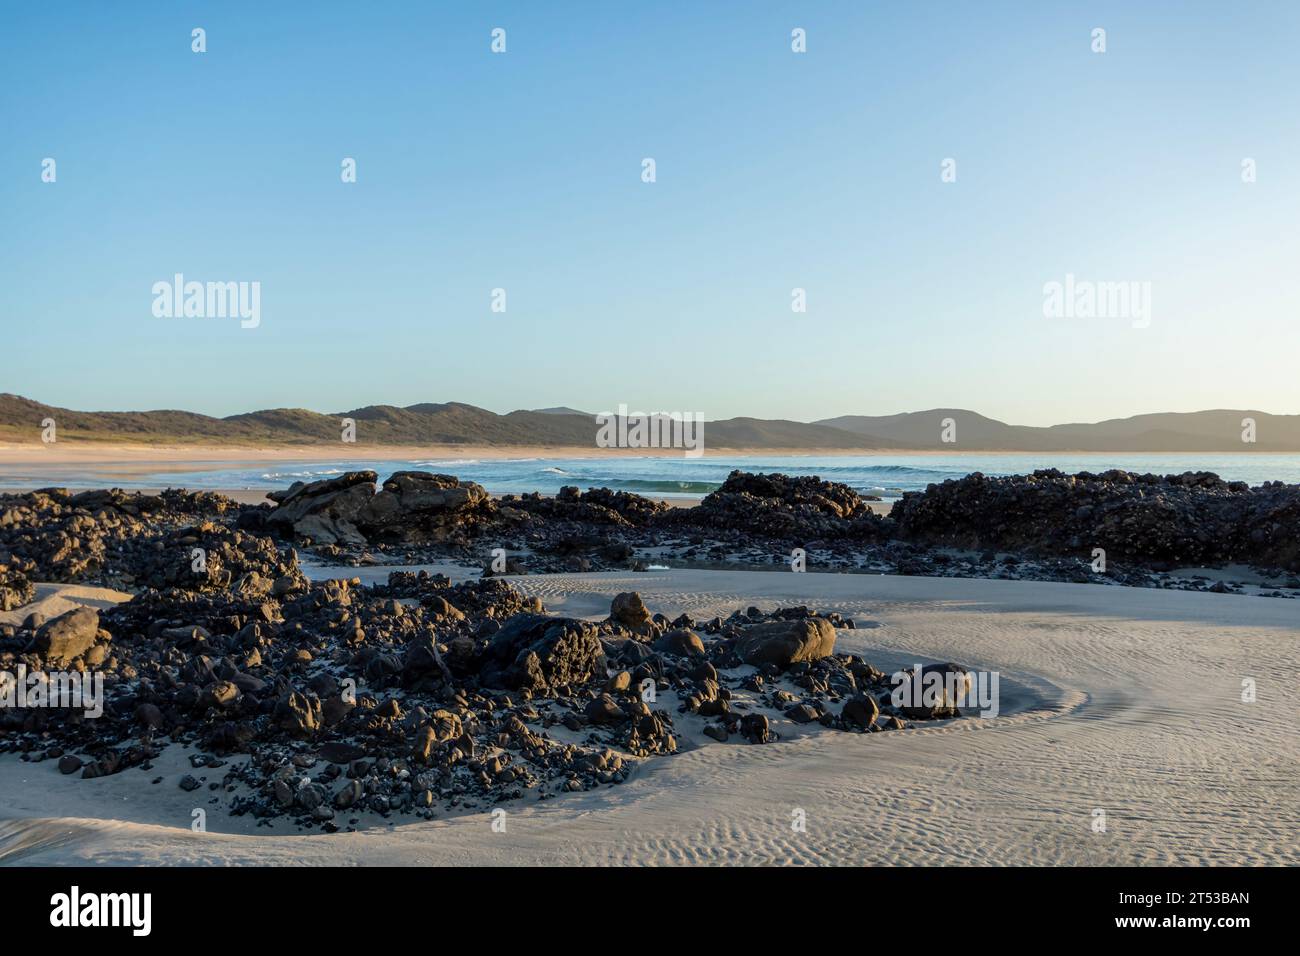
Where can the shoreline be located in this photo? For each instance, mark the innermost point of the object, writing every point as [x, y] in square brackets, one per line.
[1019, 791]
[179, 456]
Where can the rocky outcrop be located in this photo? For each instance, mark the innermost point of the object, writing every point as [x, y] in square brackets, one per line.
[595, 506]
[412, 507]
[1162, 521]
[111, 538]
[326, 511]
[786, 508]
[420, 506]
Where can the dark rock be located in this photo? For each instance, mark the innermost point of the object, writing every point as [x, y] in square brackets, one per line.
[69, 635]
[860, 711]
[340, 752]
[783, 643]
[298, 714]
[629, 610]
[538, 652]
[754, 728]
[69, 763]
[680, 643]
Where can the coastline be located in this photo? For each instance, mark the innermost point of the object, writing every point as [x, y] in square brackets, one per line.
[1019, 789]
[180, 456]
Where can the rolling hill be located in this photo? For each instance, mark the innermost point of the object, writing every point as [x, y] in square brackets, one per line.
[456, 423]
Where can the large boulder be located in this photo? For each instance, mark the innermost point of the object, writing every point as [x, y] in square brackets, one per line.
[680, 642]
[540, 652]
[411, 495]
[628, 610]
[860, 711]
[68, 635]
[787, 642]
[412, 506]
[298, 714]
[419, 507]
[325, 511]
[598, 506]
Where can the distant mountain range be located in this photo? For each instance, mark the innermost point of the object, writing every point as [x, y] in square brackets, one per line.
[454, 423]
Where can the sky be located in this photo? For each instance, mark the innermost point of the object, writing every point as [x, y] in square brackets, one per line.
[774, 171]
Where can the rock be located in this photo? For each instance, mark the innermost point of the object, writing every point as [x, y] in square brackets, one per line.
[956, 682]
[680, 642]
[16, 587]
[786, 642]
[445, 725]
[1195, 518]
[349, 794]
[69, 763]
[340, 752]
[298, 714]
[784, 507]
[604, 710]
[149, 715]
[335, 708]
[716, 732]
[860, 711]
[188, 783]
[219, 694]
[325, 511]
[754, 728]
[802, 713]
[539, 652]
[629, 610]
[69, 635]
[441, 609]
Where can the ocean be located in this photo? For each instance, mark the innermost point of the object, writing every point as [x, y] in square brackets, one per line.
[887, 476]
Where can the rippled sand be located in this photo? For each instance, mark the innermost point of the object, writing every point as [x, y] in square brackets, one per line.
[1125, 700]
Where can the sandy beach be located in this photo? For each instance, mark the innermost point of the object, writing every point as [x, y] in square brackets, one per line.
[131, 457]
[1117, 699]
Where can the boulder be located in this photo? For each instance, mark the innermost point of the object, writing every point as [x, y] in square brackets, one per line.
[955, 678]
[786, 642]
[325, 511]
[537, 652]
[681, 642]
[605, 710]
[298, 714]
[755, 729]
[860, 711]
[68, 635]
[629, 610]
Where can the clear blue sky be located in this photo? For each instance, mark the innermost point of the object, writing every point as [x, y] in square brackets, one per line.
[775, 170]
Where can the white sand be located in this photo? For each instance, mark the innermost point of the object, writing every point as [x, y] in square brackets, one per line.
[1122, 699]
[55, 599]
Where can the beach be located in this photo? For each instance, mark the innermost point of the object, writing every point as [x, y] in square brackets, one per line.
[1117, 699]
[502, 646]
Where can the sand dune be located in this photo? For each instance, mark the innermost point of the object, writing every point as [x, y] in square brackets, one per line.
[1127, 700]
